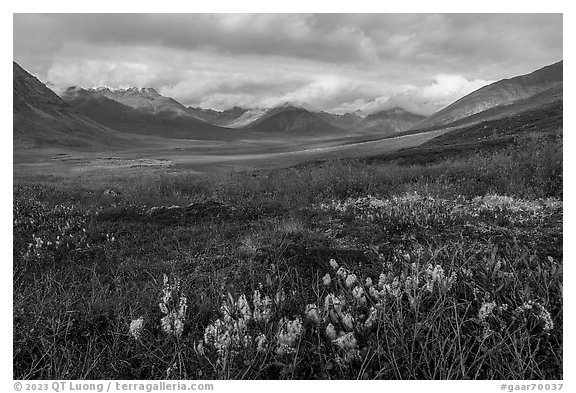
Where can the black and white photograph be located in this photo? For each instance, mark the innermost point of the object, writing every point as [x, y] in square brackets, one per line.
[287, 196]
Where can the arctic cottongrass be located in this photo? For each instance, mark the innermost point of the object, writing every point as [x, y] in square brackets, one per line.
[332, 308]
[351, 279]
[173, 322]
[261, 342]
[437, 278]
[173, 305]
[486, 310]
[342, 273]
[331, 331]
[348, 344]
[347, 341]
[543, 315]
[288, 335]
[229, 333]
[347, 320]
[334, 264]
[136, 328]
[371, 320]
[262, 307]
[244, 308]
[312, 313]
[358, 294]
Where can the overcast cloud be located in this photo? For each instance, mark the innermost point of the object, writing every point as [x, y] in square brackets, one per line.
[334, 62]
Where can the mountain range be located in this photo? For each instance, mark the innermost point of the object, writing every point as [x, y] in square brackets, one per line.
[145, 111]
[97, 118]
[141, 111]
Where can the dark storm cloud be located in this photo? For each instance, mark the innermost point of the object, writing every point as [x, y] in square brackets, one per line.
[330, 61]
[264, 34]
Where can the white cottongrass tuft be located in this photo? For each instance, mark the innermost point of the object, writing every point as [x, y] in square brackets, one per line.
[136, 328]
[346, 341]
[174, 314]
[334, 264]
[372, 318]
[348, 344]
[486, 310]
[288, 335]
[262, 307]
[342, 273]
[261, 343]
[351, 280]
[330, 331]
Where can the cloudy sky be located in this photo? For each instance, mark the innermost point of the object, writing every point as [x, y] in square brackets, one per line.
[334, 62]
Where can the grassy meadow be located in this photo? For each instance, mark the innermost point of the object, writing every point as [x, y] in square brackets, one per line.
[346, 269]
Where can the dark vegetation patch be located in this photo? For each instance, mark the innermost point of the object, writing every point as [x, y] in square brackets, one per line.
[483, 136]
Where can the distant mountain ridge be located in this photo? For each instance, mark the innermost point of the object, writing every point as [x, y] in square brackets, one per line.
[504, 92]
[386, 122]
[345, 120]
[142, 111]
[147, 100]
[292, 120]
[221, 118]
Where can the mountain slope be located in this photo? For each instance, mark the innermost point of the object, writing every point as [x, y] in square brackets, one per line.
[291, 120]
[139, 118]
[546, 98]
[389, 122]
[247, 117]
[219, 118]
[344, 121]
[42, 119]
[97, 106]
[147, 100]
[504, 92]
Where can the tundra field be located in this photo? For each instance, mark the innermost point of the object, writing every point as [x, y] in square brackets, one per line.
[343, 269]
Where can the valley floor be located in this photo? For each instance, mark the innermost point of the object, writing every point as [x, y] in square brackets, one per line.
[171, 156]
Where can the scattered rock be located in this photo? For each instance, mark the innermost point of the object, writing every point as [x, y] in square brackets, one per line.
[110, 193]
[208, 209]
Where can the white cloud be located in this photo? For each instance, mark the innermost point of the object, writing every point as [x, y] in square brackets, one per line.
[99, 73]
[213, 84]
[425, 100]
[449, 87]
